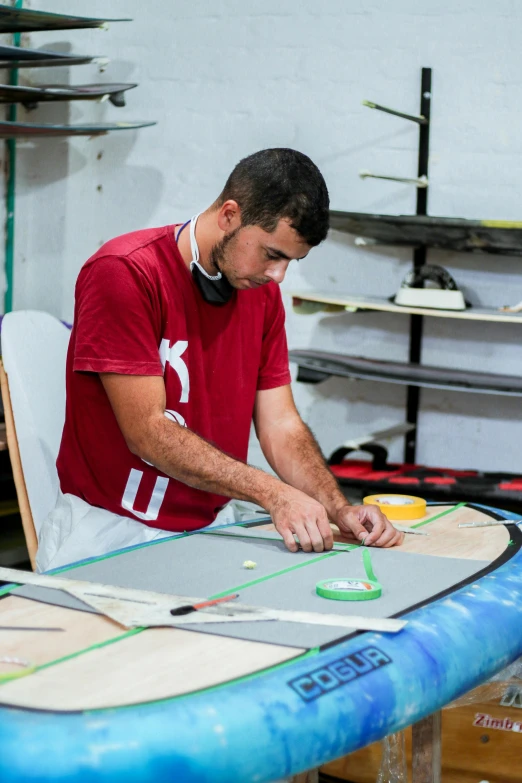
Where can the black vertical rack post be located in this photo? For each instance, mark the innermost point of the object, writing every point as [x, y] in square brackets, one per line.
[419, 259]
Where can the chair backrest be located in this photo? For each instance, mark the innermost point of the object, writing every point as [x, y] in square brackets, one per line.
[34, 351]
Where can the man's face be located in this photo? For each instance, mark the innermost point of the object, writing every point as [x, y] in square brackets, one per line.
[249, 256]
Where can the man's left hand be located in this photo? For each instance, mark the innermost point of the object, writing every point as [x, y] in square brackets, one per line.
[368, 524]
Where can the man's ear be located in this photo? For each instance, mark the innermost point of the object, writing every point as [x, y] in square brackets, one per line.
[229, 216]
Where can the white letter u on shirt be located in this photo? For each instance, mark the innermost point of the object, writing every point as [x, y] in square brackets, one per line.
[131, 490]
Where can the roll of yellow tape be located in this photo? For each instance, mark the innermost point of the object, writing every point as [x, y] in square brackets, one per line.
[398, 507]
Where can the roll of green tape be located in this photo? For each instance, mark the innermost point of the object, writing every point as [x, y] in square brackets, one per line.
[350, 589]
[345, 589]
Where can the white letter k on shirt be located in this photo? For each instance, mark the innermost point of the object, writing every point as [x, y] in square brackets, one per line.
[173, 357]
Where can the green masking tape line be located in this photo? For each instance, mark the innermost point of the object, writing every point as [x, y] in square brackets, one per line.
[98, 646]
[349, 589]
[442, 514]
[238, 588]
[337, 547]
[91, 648]
[367, 561]
[27, 669]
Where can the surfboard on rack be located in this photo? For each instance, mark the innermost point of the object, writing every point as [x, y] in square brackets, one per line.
[18, 130]
[306, 302]
[24, 20]
[19, 57]
[476, 236]
[31, 96]
[244, 700]
[317, 366]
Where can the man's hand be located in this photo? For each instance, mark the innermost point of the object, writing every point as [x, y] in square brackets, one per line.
[368, 524]
[291, 450]
[294, 513]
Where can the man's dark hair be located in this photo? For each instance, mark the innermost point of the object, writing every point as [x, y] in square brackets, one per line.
[280, 183]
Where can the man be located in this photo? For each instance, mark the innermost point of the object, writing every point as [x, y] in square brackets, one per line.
[178, 342]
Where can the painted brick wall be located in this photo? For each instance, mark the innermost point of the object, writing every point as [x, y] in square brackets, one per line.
[225, 78]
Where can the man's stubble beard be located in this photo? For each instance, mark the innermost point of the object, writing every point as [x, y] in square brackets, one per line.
[218, 256]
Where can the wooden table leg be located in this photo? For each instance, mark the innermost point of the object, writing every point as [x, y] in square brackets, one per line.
[426, 749]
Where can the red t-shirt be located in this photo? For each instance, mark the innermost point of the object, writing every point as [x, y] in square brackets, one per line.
[139, 312]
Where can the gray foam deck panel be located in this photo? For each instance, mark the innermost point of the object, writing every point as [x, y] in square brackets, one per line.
[203, 565]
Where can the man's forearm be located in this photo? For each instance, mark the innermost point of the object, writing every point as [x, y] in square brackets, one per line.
[294, 454]
[180, 453]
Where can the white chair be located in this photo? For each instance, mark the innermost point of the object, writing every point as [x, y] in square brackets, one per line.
[32, 376]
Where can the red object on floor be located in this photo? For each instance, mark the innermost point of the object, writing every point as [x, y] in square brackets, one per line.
[446, 484]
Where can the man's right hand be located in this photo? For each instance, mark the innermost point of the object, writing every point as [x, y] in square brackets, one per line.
[295, 513]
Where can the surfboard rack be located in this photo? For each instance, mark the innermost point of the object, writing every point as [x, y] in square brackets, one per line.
[313, 373]
[419, 182]
[17, 20]
[418, 231]
[412, 117]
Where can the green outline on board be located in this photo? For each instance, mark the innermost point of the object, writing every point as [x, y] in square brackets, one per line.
[134, 631]
[117, 552]
[442, 514]
[243, 678]
[337, 547]
[75, 654]
[253, 582]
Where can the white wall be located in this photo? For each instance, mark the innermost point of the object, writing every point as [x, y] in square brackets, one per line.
[225, 78]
